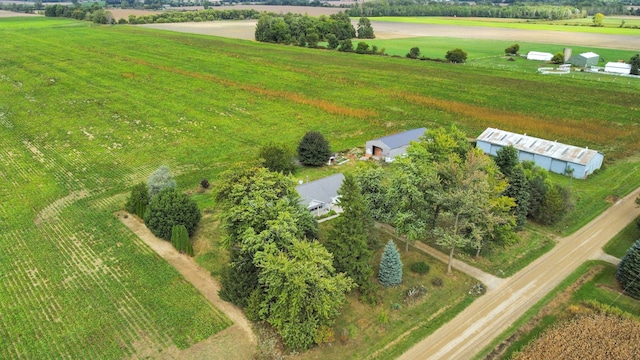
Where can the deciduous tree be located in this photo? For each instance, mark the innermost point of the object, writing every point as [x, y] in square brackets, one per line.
[365, 30]
[635, 64]
[414, 53]
[369, 177]
[277, 157]
[456, 56]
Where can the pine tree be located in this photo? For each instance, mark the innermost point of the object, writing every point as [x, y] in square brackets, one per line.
[313, 149]
[160, 179]
[519, 190]
[390, 266]
[628, 273]
[348, 238]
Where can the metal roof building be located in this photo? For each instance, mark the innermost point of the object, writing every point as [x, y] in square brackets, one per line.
[320, 195]
[618, 68]
[551, 155]
[537, 55]
[585, 59]
[389, 147]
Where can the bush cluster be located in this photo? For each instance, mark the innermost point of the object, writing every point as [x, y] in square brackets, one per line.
[169, 208]
[420, 268]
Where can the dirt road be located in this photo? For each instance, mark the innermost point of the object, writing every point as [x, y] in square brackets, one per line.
[490, 315]
[238, 338]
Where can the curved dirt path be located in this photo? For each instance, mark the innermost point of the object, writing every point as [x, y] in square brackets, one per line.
[238, 341]
[491, 314]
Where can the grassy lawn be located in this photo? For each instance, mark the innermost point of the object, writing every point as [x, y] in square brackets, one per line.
[519, 24]
[85, 117]
[591, 281]
[385, 330]
[620, 243]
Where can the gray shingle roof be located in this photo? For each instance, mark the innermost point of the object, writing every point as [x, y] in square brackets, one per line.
[320, 190]
[403, 138]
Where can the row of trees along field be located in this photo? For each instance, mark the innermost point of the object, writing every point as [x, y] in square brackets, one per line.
[517, 11]
[297, 29]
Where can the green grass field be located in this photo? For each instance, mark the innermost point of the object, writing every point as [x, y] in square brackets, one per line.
[611, 25]
[88, 111]
[490, 53]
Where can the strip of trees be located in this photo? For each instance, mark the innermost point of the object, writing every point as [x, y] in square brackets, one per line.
[296, 29]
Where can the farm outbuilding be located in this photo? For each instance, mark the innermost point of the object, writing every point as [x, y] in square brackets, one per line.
[389, 147]
[537, 55]
[585, 59]
[618, 68]
[321, 195]
[550, 155]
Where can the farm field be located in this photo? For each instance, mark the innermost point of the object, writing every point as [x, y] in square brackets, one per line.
[524, 24]
[84, 118]
[590, 290]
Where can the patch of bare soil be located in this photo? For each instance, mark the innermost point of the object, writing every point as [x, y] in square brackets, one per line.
[6, 14]
[54, 209]
[558, 301]
[236, 342]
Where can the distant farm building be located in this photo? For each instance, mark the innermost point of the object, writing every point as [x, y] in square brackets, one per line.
[553, 156]
[618, 68]
[585, 59]
[321, 195]
[389, 147]
[542, 56]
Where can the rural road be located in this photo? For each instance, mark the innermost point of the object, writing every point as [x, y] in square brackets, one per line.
[491, 314]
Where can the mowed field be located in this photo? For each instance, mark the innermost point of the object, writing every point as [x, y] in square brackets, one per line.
[85, 117]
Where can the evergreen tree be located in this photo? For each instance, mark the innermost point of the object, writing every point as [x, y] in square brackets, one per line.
[628, 273]
[507, 159]
[519, 190]
[348, 238]
[169, 208]
[635, 64]
[390, 273]
[239, 279]
[139, 200]
[313, 149]
[160, 180]
[556, 204]
[180, 240]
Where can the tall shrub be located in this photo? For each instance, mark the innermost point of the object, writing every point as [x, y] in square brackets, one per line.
[138, 201]
[169, 208]
[628, 273]
[390, 273]
[180, 240]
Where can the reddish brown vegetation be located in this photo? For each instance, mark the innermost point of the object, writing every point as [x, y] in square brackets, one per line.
[286, 95]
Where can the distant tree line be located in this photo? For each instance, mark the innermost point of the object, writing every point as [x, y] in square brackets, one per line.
[194, 16]
[94, 13]
[296, 28]
[420, 8]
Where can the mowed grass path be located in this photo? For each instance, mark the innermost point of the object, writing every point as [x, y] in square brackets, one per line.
[87, 111]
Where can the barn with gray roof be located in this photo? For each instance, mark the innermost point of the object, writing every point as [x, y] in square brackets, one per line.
[551, 155]
[388, 147]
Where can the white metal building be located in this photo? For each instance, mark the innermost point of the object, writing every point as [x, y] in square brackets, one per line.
[585, 59]
[537, 55]
[618, 68]
[551, 155]
[389, 147]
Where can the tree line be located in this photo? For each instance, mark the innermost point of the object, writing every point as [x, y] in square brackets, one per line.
[302, 29]
[194, 16]
[418, 8]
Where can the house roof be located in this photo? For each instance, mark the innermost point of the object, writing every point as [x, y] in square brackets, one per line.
[589, 55]
[401, 139]
[530, 144]
[321, 190]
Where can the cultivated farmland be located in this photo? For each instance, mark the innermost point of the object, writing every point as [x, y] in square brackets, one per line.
[86, 116]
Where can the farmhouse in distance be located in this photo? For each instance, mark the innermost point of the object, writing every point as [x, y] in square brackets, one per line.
[388, 147]
[550, 155]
